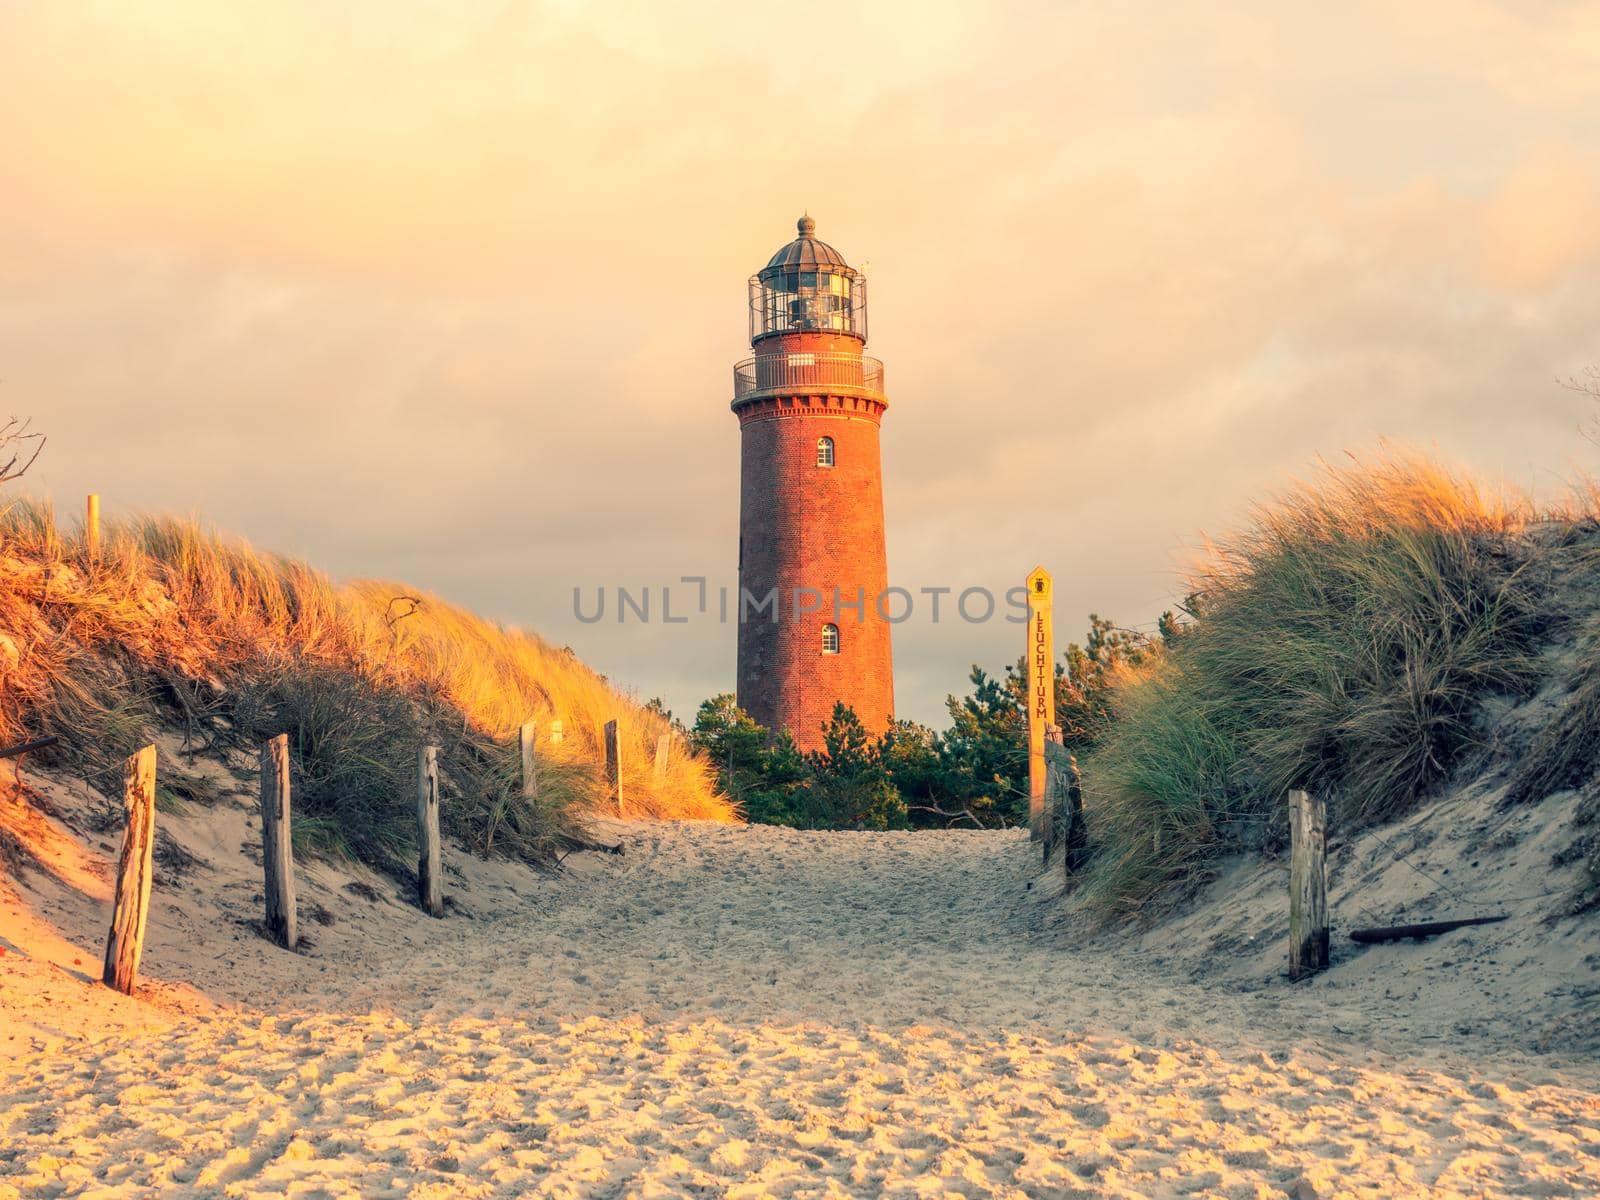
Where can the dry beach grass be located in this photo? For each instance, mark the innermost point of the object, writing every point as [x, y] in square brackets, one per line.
[170, 624]
[1349, 640]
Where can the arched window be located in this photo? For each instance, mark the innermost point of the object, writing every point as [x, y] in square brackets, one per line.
[825, 452]
[830, 639]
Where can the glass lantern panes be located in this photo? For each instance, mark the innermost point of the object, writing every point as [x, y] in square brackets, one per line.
[786, 301]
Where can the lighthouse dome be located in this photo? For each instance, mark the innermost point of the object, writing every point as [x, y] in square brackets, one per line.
[808, 253]
[807, 287]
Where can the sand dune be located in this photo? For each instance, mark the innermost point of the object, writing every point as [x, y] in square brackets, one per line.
[742, 1012]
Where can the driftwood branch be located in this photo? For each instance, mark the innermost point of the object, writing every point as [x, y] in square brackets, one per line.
[24, 747]
[1395, 933]
[966, 814]
[577, 845]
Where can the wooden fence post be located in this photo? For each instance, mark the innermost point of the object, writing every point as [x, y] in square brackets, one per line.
[430, 892]
[1064, 826]
[614, 764]
[663, 749]
[527, 737]
[1066, 829]
[1046, 820]
[1074, 834]
[1308, 884]
[277, 854]
[91, 526]
[131, 902]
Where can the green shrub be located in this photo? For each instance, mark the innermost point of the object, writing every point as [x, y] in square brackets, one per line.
[844, 785]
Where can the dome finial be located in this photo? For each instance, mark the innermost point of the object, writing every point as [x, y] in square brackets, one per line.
[806, 226]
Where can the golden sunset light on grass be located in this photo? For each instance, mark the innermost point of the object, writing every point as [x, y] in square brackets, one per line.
[732, 600]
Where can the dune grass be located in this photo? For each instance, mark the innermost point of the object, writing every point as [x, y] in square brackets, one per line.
[171, 624]
[1342, 643]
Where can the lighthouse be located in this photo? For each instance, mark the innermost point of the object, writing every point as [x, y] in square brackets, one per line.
[814, 618]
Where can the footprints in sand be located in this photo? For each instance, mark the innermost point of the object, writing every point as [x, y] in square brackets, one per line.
[760, 1013]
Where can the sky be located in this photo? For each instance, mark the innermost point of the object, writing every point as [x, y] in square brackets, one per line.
[450, 292]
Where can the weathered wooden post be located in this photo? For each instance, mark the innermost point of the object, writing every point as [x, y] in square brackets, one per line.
[1074, 834]
[614, 764]
[1054, 790]
[527, 738]
[1065, 828]
[91, 527]
[1308, 884]
[277, 854]
[131, 902]
[1041, 658]
[430, 893]
[663, 748]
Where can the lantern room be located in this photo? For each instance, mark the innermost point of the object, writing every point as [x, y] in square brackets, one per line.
[807, 287]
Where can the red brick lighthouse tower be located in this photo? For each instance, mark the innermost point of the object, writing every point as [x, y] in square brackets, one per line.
[811, 499]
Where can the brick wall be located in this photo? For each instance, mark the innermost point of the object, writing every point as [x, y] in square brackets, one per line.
[805, 526]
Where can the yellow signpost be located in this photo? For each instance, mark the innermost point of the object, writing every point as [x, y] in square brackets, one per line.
[1041, 690]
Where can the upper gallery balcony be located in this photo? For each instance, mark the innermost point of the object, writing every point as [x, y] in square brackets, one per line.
[812, 373]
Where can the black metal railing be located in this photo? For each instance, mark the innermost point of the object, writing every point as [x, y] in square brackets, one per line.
[852, 374]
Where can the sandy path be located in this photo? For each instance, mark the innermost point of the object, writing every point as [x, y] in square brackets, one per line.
[753, 1012]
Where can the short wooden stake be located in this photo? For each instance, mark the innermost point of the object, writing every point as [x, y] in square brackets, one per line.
[131, 903]
[430, 892]
[1050, 819]
[91, 526]
[527, 737]
[556, 733]
[614, 765]
[277, 853]
[1064, 827]
[1073, 837]
[1308, 884]
[663, 749]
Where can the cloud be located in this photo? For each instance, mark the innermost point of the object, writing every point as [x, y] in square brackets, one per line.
[1543, 222]
[452, 293]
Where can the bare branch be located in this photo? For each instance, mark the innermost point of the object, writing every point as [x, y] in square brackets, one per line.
[15, 441]
[393, 618]
[1587, 384]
